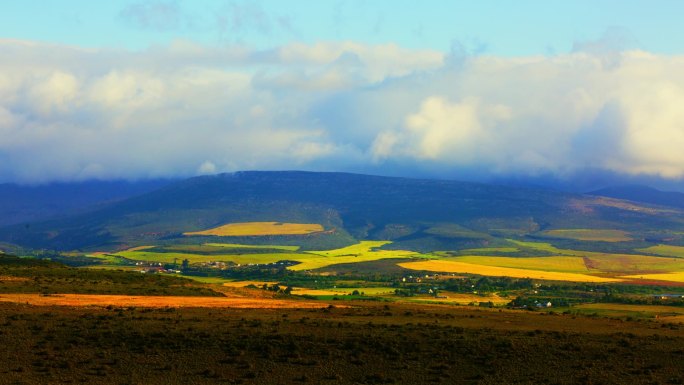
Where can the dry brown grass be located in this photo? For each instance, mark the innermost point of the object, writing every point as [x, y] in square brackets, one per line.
[260, 228]
[463, 299]
[78, 300]
[7, 278]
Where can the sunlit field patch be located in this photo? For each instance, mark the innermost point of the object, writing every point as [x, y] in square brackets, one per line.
[665, 250]
[560, 264]
[155, 301]
[601, 235]
[662, 313]
[470, 268]
[242, 259]
[671, 277]
[260, 228]
[361, 252]
[241, 246]
[613, 263]
[463, 299]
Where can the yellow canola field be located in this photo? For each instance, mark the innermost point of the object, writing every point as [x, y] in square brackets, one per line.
[565, 264]
[360, 252]
[469, 268]
[672, 277]
[260, 228]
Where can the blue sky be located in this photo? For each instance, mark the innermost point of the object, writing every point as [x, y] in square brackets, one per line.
[496, 27]
[480, 90]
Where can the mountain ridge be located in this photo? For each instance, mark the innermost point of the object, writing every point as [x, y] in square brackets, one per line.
[358, 206]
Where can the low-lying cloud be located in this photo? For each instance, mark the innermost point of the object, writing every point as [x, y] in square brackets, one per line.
[68, 113]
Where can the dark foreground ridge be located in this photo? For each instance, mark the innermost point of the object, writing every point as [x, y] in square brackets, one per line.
[367, 343]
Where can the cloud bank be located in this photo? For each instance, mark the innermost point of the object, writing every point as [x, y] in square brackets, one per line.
[185, 109]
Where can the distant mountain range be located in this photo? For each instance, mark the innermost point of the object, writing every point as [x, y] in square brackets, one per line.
[416, 213]
[20, 204]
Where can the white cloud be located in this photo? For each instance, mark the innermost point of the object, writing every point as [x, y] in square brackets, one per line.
[207, 167]
[70, 113]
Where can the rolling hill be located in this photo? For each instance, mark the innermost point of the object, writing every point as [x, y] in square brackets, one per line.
[417, 214]
[643, 194]
[19, 203]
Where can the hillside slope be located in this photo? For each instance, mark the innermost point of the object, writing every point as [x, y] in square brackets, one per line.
[643, 194]
[35, 203]
[351, 205]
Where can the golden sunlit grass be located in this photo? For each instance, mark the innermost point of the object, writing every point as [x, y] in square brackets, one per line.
[660, 313]
[156, 301]
[672, 277]
[560, 264]
[260, 228]
[242, 259]
[138, 248]
[633, 264]
[613, 263]
[241, 246]
[361, 252]
[463, 299]
[470, 268]
[7, 278]
[602, 235]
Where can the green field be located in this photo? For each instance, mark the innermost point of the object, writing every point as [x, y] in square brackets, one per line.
[235, 245]
[559, 264]
[309, 260]
[665, 250]
[601, 235]
[452, 230]
[361, 252]
[613, 263]
[242, 259]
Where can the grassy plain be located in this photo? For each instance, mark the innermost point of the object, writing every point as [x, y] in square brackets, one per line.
[259, 228]
[662, 313]
[241, 246]
[601, 235]
[471, 268]
[242, 259]
[309, 260]
[677, 276]
[557, 264]
[665, 250]
[156, 301]
[484, 250]
[361, 252]
[611, 262]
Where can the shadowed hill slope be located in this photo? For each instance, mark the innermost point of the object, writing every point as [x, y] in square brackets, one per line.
[362, 206]
[643, 194]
